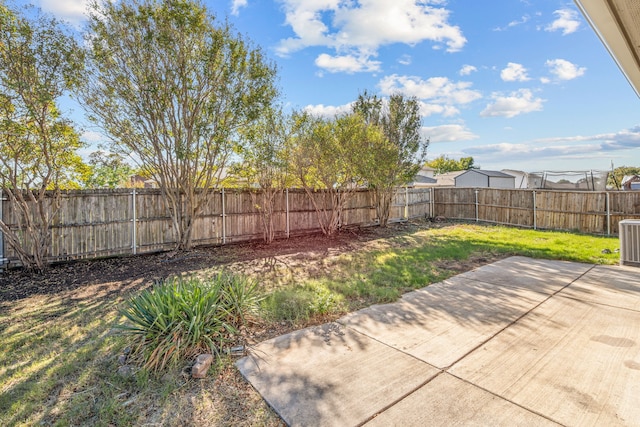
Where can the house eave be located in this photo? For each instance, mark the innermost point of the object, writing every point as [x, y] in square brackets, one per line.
[616, 22]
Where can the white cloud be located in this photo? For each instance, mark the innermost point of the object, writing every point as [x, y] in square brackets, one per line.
[567, 21]
[514, 73]
[621, 140]
[327, 111]
[438, 90]
[405, 60]
[467, 69]
[427, 110]
[516, 103]
[359, 28]
[515, 23]
[448, 133]
[346, 63]
[236, 5]
[72, 11]
[564, 70]
[574, 147]
[93, 137]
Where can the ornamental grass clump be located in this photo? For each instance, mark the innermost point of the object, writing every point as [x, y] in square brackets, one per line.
[180, 317]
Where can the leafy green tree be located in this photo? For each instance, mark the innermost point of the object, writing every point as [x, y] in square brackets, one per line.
[444, 164]
[327, 159]
[107, 170]
[396, 159]
[39, 62]
[265, 164]
[168, 85]
[615, 178]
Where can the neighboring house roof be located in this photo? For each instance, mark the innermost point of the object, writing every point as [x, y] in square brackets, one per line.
[497, 174]
[630, 178]
[421, 179]
[448, 178]
[617, 23]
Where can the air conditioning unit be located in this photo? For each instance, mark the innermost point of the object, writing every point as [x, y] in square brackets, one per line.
[630, 242]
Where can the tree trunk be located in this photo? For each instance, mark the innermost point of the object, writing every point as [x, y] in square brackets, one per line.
[383, 198]
[30, 237]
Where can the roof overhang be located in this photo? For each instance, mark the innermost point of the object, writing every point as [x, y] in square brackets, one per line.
[617, 23]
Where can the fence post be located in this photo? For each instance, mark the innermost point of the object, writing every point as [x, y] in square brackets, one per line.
[3, 260]
[224, 225]
[608, 214]
[406, 203]
[287, 211]
[535, 223]
[477, 191]
[432, 203]
[134, 224]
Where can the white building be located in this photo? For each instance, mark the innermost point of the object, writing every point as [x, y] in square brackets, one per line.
[485, 179]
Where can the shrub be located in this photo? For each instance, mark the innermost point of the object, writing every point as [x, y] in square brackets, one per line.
[301, 303]
[240, 297]
[180, 317]
[291, 305]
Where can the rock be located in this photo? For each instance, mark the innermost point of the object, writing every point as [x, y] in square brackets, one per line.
[125, 371]
[202, 365]
[606, 251]
[122, 359]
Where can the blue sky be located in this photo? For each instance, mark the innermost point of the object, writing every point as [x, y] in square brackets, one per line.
[516, 84]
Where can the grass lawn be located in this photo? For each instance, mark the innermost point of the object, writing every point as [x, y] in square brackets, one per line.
[59, 353]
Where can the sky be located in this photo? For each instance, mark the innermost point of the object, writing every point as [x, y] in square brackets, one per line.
[516, 84]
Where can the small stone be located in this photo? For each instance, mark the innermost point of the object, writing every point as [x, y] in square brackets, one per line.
[125, 371]
[606, 251]
[202, 365]
[122, 359]
[126, 351]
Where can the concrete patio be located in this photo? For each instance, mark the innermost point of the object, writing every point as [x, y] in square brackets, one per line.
[518, 342]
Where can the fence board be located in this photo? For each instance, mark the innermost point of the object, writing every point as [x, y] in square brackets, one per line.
[457, 203]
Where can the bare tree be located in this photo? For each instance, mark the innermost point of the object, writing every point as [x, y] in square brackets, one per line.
[39, 62]
[174, 90]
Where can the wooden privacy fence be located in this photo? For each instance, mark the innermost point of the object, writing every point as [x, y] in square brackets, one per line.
[101, 223]
[589, 212]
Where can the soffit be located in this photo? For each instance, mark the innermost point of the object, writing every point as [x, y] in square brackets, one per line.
[617, 23]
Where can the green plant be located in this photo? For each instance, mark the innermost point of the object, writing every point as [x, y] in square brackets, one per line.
[240, 296]
[324, 301]
[301, 303]
[291, 305]
[182, 317]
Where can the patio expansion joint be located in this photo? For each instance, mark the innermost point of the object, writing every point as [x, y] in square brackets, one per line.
[408, 393]
[502, 397]
[448, 368]
[516, 320]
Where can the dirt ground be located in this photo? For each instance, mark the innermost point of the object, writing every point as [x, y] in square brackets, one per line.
[121, 274]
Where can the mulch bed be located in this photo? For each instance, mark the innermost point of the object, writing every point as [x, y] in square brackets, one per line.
[122, 273]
